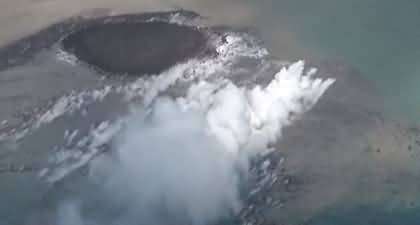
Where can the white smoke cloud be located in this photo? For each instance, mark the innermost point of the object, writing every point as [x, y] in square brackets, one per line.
[168, 164]
[180, 161]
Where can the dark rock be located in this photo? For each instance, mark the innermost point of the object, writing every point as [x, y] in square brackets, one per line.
[135, 47]
[21, 51]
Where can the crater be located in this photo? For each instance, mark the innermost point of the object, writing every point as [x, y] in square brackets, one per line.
[135, 48]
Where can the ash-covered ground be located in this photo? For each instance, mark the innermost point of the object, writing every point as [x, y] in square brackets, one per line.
[192, 140]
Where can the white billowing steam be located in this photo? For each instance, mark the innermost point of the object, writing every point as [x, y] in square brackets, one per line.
[170, 168]
[180, 161]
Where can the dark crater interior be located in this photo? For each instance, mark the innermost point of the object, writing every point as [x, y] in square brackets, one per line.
[135, 48]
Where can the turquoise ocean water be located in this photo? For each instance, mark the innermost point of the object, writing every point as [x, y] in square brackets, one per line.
[381, 39]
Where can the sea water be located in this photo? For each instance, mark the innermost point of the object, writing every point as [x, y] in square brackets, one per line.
[377, 37]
